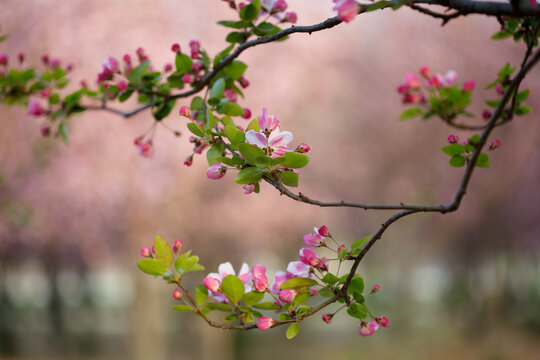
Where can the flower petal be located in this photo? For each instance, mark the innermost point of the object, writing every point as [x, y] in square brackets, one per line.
[225, 269]
[255, 138]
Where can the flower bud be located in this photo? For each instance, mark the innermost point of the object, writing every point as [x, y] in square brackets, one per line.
[188, 78]
[177, 294]
[494, 144]
[287, 295]
[424, 71]
[122, 85]
[308, 257]
[195, 45]
[184, 111]
[243, 82]
[167, 68]
[486, 114]
[368, 328]
[290, 17]
[188, 161]
[327, 318]
[230, 95]
[55, 62]
[211, 283]
[146, 252]
[21, 57]
[323, 230]
[216, 171]
[382, 321]
[469, 85]
[127, 59]
[175, 48]
[246, 114]
[302, 148]
[177, 246]
[45, 59]
[249, 188]
[265, 323]
[45, 130]
[34, 108]
[375, 289]
[452, 139]
[260, 283]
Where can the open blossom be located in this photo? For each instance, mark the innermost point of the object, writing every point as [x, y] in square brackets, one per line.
[308, 256]
[110, 65]
[267, 123]
[265, 323]
[260, 281]
[314, 240]
[211, 283]
[279, 279]
[347, 9]
[368, 328]
[216, 171]
[298, 268]
[276, 143]
[452, 139]
[450, 78]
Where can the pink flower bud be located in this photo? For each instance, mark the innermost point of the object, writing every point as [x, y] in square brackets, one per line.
[230, 95]
[177, 294]
[55, 63]
[211, 283]
[469, 85]
[194, 54]
[450, 78]
[69, 67]
[486, 114]
[499, 89]
[188, 161]
[323, 230]
[243, 82]
[347, 9]
[382, 321]
[249, 188]
[45, 130]
[3, 59]
[308, 256]
[424, 71]
[342, 246]
[21, 57]
[375, 289]
[412, 81]
[110, 65]
[313, 240]
[122, 86]
[184, 111]
[435, 81]
[188, 78]
[84, 83]
[258, 270]
[45, 93]
[34, 108]
[175, 48]
[302, 148]
[246, 114]
[197, 66]
[195, 45]
[139, 51]
[323, 264]
[177, 247]
[280, 5]
[146, 252]
[216, 171]
[367, 328]
[45, 59]
[452, 139]
[167, 68]
[145, 149]
[327, 318]
[265, 323]
[287, 295]
[260, 283]
[290, 17]
[127, 59]
[494, 144]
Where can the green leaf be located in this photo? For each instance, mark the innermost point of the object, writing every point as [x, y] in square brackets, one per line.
[454, 149]
[288, 178]
[196, 129]
[183, 63]
[164, 109]
[219, 306]
[251, 11]
[355, 312]
[64, 133]
[231, 317]
[249, 175]
[190, 262]
[298, 283]
[266, 306]
[294, 160]
[330, 278]
[522, 110]
[483, 160]
[356, 285]
[410, 113]
[236, 37]
[254, 125]
[217, 91]
[201, 294]
[180, 260]
[501, 35]
[234, 24]
[125, 95]
[197, 103]
[301, 297]
[265, 29]
[342, 253]
[151, 267]
[235, 69]
[175, 79]
[234, 135]
[252, 297]
[182, 308]
[292, 330]
[263, 162]
[250, 152]
[223, 54]
[230, 108]
[163, 251]
[493, 103]
[457, 161]
[326, 291]
[233, 288]
[194, 267]
[522, 95]
[213, 156]
[360, 242]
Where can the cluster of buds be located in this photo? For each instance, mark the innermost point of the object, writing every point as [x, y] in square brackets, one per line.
[346, 9]
[146, 148]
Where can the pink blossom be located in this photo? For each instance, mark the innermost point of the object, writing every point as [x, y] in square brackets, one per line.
[347, 9]
[175, 48]
[308, 256]
[122, 86]
[322, 264]
[177, 247]
[265, 323]
[323, 230]
[424, 70]
[412, 81]
[469, 85]
[450, 78]
[290, 17]
[260, 281]
[184, 111]
[188, 160]
[486, 114]
[327, 318]
[494, 144]
[246, 114]
[279, 278]
[200, 146]
[139, 51]
[375, 289]
[249, 188]
[177, 294]
[45, 59]
[276, 143]
[126, 58]
[216, 171]
[110, 65]
[145, 149]
[45, 130]
[367, 328]
[243, 82]
[435, 81]
[197, 66]
[146, 252]
[188, 78]
[280, 5]
[230, 95]
[302, 148]
[313, 292]
[452, 139]
[3, 59]
[21, 57]
[195, 45]
[267, 123]
[499, 89]
[211, 283]
[287, 295]
[382, 321]
[55, 62]
[34, 108]
[168, 67]
[313, 240]
[298, 268]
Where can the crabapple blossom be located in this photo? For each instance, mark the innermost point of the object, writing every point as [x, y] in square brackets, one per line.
[313, 240]
[213, 280]
[298, 268]
[494, 144]
[188, 78]
[211, 283]
[452, 139]
[216, 171]
[424, 71]
[3, 59]
[309, 257]
[368, 328]
[382, 321]
[265, 323]
[34, 108]
[175, 48]
[146, 252]
[279, 278]
[110, 65]
[249, 188]
[469, 85]
[122, 85]
[260, 281]
[327, 317]
[45, 130]
[290, 17]
[302, 148]
[287, 295]
[177, 247]
[230, 95]
[450, 78]
[188, 161]
[184, 111]
[486, 114]
[323, 230]
[347, 9]
[375, 289]
[177, 294]
[243, 82]
[270, 139]
[246, 114]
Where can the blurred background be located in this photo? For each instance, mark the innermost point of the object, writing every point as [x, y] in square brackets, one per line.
[73, 218]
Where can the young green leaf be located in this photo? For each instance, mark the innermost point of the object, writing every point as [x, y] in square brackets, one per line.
[151, 267]
[297, 283]
[163, 251]
[249, 176]
[233, 288]
[182, 308]
[294, 160]
[289, 178]
[292, 330]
